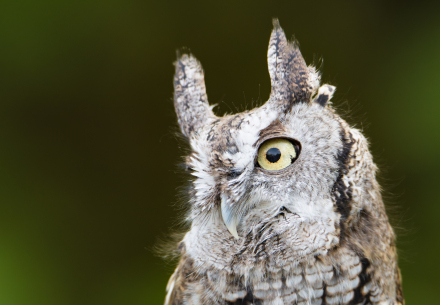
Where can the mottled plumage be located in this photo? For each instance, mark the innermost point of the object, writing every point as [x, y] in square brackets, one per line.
[313, 232]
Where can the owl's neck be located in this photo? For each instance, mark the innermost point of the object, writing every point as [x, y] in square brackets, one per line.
[268, 236]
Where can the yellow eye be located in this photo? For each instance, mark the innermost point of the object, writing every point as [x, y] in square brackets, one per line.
[276, 154]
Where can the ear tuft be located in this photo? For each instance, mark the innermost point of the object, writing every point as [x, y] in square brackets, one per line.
[276, 23]
[190, 99]
[289, 74]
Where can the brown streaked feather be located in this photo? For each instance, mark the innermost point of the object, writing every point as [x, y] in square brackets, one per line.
[288, 71]
[190, 99]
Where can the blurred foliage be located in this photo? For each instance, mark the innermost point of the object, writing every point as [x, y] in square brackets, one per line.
[88, 158]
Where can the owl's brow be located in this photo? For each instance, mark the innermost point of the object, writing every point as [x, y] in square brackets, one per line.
[274, 129]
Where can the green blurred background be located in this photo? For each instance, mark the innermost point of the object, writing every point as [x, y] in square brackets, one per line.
[88, 155]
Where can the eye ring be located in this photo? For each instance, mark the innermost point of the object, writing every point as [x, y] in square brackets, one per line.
[277, 154]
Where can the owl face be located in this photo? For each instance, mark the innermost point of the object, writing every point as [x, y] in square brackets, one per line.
[242, 174]
[273, 172]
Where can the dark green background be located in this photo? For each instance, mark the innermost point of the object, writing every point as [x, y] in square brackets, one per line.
[88, 157]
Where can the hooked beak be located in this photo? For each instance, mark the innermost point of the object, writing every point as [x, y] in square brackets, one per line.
[230, 216]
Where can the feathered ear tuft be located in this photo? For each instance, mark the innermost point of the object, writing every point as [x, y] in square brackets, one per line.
[288, 71]
[190, 99]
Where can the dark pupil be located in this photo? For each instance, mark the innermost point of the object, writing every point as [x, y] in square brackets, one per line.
[273, 155]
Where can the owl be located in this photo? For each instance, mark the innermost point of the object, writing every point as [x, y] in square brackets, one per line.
[284, 206]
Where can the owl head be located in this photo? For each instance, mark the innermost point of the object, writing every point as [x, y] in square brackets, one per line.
[290, 169]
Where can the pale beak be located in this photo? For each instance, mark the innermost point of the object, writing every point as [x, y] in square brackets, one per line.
[229, 217]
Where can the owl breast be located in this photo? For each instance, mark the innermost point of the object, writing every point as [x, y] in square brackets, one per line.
[341, 277]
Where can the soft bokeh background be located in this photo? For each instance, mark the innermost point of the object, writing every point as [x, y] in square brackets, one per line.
[88, 157]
